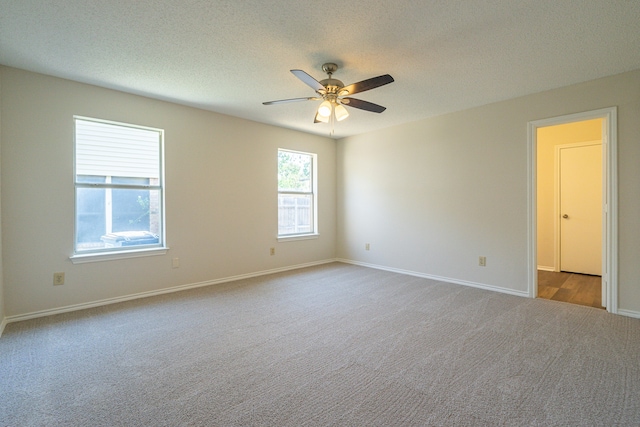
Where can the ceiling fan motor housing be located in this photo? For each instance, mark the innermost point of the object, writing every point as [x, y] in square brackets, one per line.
[331, 85]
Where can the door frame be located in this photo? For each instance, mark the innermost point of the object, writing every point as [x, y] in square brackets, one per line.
[556, 200]
[610, 199]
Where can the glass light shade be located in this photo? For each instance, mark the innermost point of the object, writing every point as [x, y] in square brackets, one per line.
[341, 113]
[324, 109]
[322, 119]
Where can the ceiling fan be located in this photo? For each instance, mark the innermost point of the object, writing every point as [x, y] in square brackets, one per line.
[335, 95]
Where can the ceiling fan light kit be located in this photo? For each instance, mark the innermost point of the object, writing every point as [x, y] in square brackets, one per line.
[340, 112]
[321, 119]
[333, 94]
[325, 109]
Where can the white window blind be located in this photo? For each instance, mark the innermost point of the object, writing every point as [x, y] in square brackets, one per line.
[104, 149]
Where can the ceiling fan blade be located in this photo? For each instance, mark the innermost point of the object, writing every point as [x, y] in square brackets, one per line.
[308, 80]
[368, 84]
[363, 105]
[284, 101]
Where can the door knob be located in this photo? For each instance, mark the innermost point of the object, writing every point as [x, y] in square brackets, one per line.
[565, 216]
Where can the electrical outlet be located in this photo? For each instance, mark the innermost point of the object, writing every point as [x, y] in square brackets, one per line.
[482, 261]
[58, 279]
[272, 251]
[175, 263]
[367, 246]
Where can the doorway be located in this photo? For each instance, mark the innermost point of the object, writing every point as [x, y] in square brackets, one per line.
[575, 137]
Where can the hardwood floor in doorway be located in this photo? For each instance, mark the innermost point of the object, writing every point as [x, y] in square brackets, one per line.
[574, 288]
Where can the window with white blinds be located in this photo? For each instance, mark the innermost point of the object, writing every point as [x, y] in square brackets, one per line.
[118, 185]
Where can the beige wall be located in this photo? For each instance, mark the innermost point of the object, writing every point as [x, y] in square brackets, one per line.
[547, 139]
[2, 309]
[221, 195]
[432, 196]
[429, 196]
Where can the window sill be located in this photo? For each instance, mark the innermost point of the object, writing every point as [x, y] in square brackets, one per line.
[298, 237]
[109, 256]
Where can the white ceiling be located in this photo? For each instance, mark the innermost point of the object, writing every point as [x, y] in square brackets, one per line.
[229, 56]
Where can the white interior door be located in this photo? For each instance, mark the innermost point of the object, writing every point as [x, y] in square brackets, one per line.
[581, 209]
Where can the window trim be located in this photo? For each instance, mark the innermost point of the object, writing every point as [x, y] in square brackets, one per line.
[293, 237]
[113, 255]
[314, 233]
[106, 254]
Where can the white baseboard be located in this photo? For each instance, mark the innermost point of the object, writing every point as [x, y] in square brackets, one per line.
[544, 268]
[76, 307]
[439, 278]
[629, 313]
[622, 312]
[82, 306]
[2, 325]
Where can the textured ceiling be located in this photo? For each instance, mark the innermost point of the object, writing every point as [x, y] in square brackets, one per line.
[230, 56]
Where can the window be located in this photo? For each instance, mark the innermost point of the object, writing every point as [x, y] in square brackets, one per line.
[119, 187]
[296, 193]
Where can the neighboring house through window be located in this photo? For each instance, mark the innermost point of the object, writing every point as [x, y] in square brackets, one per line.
[296, 194]
[119, 186]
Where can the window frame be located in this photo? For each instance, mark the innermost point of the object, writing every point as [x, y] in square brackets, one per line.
[106, 254]
[314, 198]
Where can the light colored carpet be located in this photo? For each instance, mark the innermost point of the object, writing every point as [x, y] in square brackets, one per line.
[330, 345]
